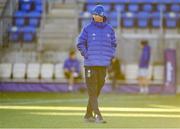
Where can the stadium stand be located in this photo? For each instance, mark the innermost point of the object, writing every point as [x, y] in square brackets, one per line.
[56, 32]
[140, 13]
[26, 21]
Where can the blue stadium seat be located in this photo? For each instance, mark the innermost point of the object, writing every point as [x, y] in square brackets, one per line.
[19, 18]
[89, 7]
[29, 33]
[143, 19]
[171, 19]
[119, 7]
[156, 21]
[26, 6]
[176, 1]
[34, 19]
[149, 1]
[161, 7]
[128, 19]
[25, 1]
[166, 1]
[38, 1]
[113, 19]
[107, 1]
[133, 7]
[107, 7]
[175, 8]
[14, 34]
[113, 23]
[147, 7]
[39, 7]
[135, 1]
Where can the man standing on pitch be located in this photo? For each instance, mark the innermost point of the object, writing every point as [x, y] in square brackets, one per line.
[96, 44]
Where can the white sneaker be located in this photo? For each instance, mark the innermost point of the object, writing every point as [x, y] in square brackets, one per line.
[141, 89]
[70, 88]
[146, 90]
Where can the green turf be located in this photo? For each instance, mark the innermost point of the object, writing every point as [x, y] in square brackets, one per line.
[52, 118]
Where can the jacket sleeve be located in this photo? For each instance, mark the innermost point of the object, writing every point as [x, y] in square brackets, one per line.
[82, 43]
[113, 42]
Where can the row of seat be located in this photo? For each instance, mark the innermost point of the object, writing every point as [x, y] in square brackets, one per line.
[30, 19]
[140, 19]
[136, 7]
[134, 1]
[31, 71]
[49, 71]
[25, 34]
[29, 5]
[26, 21]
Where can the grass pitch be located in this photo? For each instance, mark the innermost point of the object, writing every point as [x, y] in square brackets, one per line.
[60, 110]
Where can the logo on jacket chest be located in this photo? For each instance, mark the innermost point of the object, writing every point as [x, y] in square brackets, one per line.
[94, 36]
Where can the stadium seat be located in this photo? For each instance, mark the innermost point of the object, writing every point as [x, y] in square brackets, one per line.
[19, 18]
[175, 8]
[47, 71]
[34, 19]
[29, 33]
[133, 7]
[38, 1]
[131, 71]
[119, 8]
[26, 6]
[113, 19]
[19, 70]
[59, 73]
[176, 1]
[158, 72]
[171, 20]
[161, 7]
[128, 19]
[5, 70]
[143, 19]
[39, 8]
[33, 71]
[14, 34]
[147, 7]
[107, 7]
[89, 7]
[113, 23]
[156, 21]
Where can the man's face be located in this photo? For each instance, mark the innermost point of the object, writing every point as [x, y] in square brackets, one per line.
[98, 18]
[73, 56]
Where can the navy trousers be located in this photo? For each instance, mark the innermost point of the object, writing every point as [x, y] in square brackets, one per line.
[95, 79]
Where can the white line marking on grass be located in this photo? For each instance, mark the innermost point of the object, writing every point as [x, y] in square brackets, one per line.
[164, 106]
[41, 101]
[112, 109]
[107, 114]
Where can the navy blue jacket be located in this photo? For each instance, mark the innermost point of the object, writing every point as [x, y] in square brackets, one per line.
[145, 57]
[97, 44]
